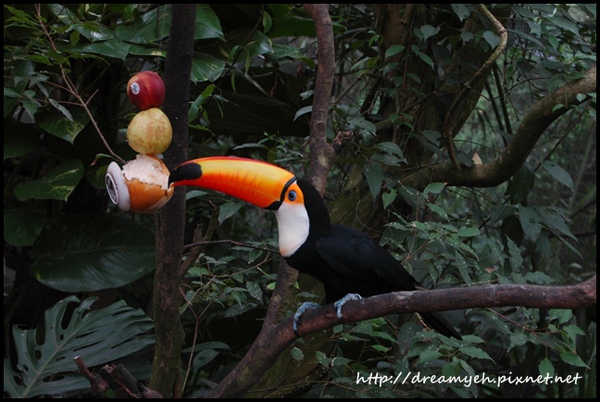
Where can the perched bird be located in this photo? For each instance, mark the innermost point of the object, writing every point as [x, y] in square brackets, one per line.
[347, 261]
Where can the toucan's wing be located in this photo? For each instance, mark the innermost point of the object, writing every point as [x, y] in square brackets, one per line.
[361, 263]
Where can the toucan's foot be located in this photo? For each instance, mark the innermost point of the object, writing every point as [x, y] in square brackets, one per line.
[340, 303]
[301, 310]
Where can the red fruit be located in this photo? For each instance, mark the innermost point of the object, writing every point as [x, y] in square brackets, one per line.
[146, 90]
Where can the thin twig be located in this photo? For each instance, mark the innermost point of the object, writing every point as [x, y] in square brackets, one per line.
[72, 89]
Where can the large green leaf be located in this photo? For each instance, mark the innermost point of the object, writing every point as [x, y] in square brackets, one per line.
[45, 363]
[208, 25]
[206, 68]
[22, 226]
[64, 127]
[56, 185]
[110, 48]
[153, 26]
[81, 253]
[560, 174]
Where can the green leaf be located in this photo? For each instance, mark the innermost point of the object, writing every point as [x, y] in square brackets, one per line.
[204, 357]
[461, 11]
[206, 352]
[440, 211]
[521, 184]
[425, 58]
[228, 209]
[303, 110]
[546, 367]
[56, 185]
[297, 354]
[434, 188]
[114, 48]
[559, 174]
[517, 339]
[491, 38]
[466, 36]
[500, 212]
[564, 24]
[254, 290]
[539, 278]
[562, 315]
[556, 221]
[390, 148]
[151, 27]
[428, 31]
[393, 50]
[572, 358]
[468, 232]
[267, 21]
[251, 43]
[475, 352]
[91, 31]
[208, 25]
[84, 253]
[323, 359]
[531, 222]
[63, 127]
[380, 348]
[573, 330]
[429, 355]
[22, 227]
[45, 360]
[515, 260]
[374, 175]
[388, 198]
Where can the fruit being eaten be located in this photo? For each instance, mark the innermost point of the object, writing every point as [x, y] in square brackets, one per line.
[146, 90]
[141, 186]
[150, 132]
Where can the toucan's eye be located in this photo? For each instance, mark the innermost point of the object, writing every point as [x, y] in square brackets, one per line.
[292, 196]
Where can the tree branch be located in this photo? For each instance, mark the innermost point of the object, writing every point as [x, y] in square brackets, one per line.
[541, 115]
[170, 220]
[322, 155]
[274, 340]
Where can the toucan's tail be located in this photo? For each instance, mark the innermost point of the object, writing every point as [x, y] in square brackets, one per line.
[440, 324]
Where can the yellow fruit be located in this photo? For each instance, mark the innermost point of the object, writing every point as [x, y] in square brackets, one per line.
[142, 186]
[150, 132]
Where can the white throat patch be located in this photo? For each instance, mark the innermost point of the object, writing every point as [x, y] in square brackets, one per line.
[293, 224]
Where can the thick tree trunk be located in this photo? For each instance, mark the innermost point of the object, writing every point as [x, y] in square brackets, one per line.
[166, 368]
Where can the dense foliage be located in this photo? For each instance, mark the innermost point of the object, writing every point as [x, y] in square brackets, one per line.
[253, 78]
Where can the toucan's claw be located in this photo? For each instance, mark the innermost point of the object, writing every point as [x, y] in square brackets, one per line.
[340, 303]
[301, 310]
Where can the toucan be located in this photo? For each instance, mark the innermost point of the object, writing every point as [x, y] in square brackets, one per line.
[347, 261]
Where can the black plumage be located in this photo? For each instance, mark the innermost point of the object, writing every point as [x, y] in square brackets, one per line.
[346, 261]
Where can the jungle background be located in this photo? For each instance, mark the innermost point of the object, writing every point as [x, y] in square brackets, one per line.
[461, 137]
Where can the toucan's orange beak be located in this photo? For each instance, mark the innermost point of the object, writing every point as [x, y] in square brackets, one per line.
[257, 182]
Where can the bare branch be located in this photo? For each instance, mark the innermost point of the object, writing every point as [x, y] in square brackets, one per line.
[541, 115]
[532, 296]
[274, 340]
[322, 155]
[116, 378]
